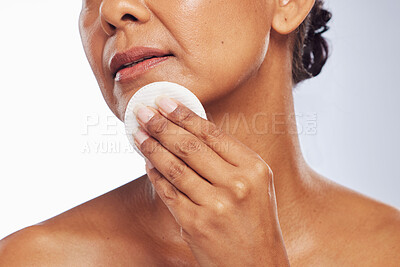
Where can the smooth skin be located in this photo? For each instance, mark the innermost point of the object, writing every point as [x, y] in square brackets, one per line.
[231, 191]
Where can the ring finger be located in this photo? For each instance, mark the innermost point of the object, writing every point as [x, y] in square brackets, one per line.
[174, 169]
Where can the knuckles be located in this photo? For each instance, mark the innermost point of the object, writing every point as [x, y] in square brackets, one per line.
[175, 171]
[170, 194]
[187, 147]
[210, 132]
[157, 125]
[260, 170]
[166, 191]
[241, 190]
[148, 147]
[182, 115]
[257, 175]
[221, 208]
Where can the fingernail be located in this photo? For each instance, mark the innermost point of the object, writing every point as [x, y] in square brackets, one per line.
[136, 107]
[148, 164]
[140, 136]
[166, 104]
[143, 113]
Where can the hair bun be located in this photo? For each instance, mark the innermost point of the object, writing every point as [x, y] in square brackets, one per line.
[315, 51]
[319, 19]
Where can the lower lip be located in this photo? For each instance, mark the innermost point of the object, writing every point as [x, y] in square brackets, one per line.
[134, 72]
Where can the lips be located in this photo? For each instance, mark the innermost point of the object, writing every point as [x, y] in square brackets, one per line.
[134, 57]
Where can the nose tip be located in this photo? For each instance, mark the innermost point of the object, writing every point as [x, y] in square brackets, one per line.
[116, 14]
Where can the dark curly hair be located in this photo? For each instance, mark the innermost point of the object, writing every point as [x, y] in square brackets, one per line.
[311, 50]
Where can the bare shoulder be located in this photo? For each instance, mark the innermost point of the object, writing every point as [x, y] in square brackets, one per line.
[361, 229]
[377, 241]
[33, 245]
[384, 247]
[40, 246]
[91, 234]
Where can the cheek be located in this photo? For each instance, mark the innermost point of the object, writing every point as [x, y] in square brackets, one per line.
[239, 53]
[93, 41]
[89, 29]
[221, 43]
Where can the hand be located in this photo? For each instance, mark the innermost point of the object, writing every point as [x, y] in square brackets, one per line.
[220, 191]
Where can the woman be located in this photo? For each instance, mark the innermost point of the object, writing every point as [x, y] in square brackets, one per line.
[231, 191]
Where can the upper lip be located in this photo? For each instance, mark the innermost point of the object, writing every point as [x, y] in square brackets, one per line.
[135, 53]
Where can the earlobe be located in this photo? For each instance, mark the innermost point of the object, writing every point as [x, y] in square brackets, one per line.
[289, 14]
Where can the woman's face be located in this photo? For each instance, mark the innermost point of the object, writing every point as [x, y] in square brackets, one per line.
[217, 45]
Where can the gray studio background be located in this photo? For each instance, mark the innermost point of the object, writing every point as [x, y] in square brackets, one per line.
[61, 146]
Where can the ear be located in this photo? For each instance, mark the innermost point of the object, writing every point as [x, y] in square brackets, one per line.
[289, 14]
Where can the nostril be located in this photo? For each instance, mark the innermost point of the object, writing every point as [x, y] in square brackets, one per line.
[128, 17]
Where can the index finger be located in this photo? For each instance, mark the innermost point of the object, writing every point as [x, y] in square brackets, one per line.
[225, 145]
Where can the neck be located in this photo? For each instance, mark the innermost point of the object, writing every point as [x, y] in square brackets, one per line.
[260, 114]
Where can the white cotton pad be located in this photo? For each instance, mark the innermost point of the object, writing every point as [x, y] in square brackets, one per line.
[147, 95]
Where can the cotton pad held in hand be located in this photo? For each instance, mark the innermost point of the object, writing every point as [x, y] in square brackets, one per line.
[147, 95]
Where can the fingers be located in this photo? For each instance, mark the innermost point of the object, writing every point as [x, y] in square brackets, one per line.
[174, 169]
[186, 146]
[225, 145]
[178, 203]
